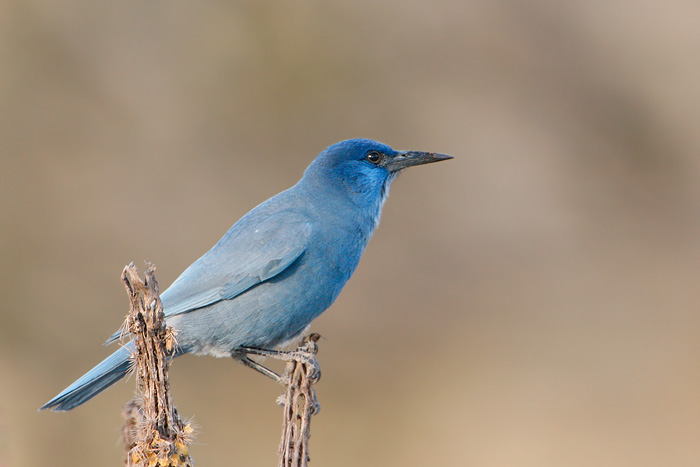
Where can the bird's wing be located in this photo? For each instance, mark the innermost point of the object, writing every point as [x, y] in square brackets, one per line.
[238, 262]
[243, 258]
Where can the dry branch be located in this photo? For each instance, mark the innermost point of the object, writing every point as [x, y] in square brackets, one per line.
[153, 432]
[300, 404]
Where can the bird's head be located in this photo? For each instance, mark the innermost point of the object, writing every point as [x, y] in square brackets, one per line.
[364, 168]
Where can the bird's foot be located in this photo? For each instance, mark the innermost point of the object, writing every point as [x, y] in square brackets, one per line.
[305, 355]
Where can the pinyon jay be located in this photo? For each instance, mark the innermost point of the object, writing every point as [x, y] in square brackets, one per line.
[279, 267]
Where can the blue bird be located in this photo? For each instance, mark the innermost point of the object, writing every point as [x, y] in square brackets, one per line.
[278, 268]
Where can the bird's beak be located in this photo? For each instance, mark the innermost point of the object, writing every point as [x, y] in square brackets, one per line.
[408, 158]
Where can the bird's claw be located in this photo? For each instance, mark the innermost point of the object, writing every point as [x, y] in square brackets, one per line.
[316, 408]
[313, 369]
[313, 372]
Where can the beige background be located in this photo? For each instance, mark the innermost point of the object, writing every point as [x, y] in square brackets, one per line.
[533, 302]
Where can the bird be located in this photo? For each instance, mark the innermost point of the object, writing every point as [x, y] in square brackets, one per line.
[276, 269]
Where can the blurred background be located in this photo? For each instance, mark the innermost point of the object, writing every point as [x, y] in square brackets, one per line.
[533, 302]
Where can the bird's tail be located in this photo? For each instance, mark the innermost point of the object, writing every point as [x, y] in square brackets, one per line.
[105, 374]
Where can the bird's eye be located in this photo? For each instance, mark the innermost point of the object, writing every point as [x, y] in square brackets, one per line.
[374, 157]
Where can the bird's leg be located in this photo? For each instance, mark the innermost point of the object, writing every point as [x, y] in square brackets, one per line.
[250, 363]
[306, 357]
[305, 354]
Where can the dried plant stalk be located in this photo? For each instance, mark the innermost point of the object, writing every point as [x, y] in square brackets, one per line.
[153, 432]
[300, 404]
